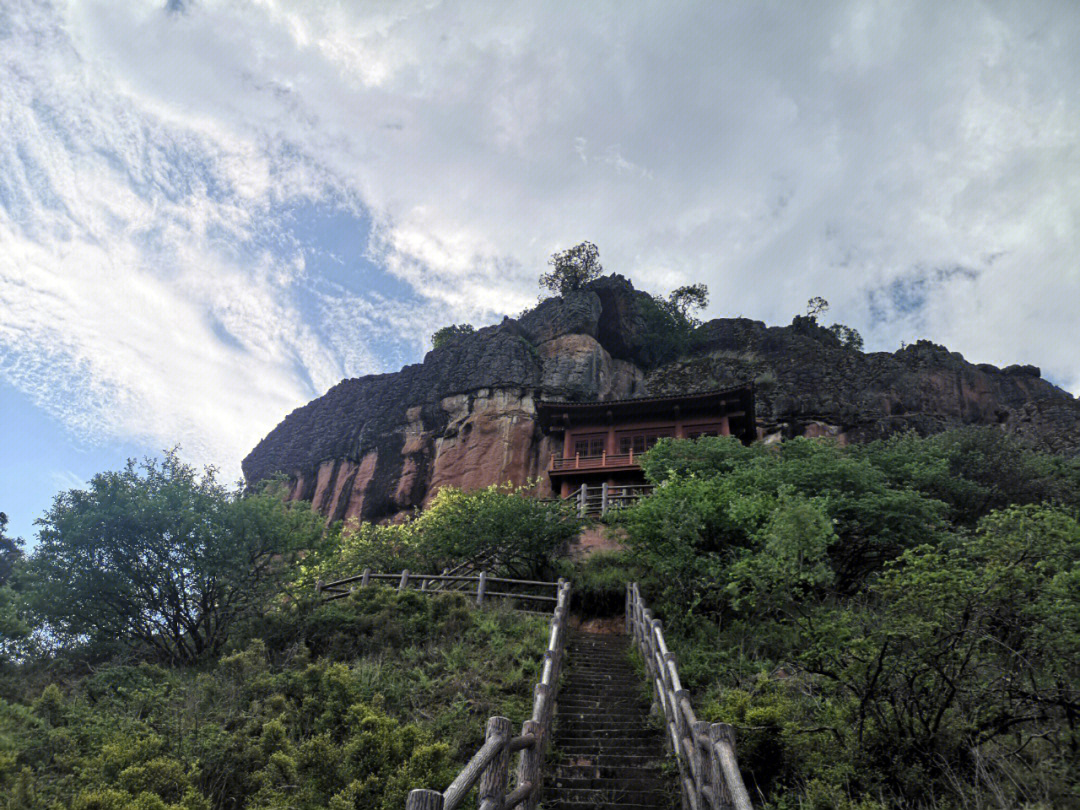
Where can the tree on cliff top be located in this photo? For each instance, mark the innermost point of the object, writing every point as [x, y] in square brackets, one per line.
[573, 269]
[449, 333]
[848, 336]
[684, 300]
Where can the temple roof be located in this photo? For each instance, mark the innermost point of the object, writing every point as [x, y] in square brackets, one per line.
[737, 399]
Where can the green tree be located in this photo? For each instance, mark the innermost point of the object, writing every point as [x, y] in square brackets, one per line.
[527, 532]
[448, 334]
[669, 325]
[849, 338]
[156, 553]
[11, 626]
[573, 268]
[816, 306]
[684, 300]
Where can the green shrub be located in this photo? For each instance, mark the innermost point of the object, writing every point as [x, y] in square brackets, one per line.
[317, 706]
[892, 624]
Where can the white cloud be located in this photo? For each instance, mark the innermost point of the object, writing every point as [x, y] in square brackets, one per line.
[862, 151]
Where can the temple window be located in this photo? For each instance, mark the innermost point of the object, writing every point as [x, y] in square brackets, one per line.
[589, 445]
[640, 442]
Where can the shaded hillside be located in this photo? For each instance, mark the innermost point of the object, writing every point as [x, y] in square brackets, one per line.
[377, 445]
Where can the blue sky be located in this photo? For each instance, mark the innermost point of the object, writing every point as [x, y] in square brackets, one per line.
[212, 211]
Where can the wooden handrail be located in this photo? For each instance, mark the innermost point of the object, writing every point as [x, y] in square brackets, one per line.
[337, 589]
[708, 768]
[489, 767]
[433, 577]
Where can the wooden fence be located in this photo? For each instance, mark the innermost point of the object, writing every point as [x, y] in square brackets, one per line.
[708, 769]
[479, 584]
[490, 766]
[599, 499]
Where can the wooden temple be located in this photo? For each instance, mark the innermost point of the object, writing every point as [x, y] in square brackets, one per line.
[601, 441]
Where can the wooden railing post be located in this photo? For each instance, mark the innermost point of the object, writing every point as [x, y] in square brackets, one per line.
[583, 499]
[529, 765]
[493, 780]
[481, 585]
[404, 580]
[366, 579]
[603, 498]
[711, 766]
[424, 800]
[318, 586]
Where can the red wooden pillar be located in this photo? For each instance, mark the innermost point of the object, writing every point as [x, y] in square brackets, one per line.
[725, 428]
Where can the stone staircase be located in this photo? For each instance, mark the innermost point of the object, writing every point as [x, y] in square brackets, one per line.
[606, 752]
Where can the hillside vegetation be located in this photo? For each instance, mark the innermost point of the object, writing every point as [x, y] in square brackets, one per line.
[887, 625]
[163, 651]
[894, 624]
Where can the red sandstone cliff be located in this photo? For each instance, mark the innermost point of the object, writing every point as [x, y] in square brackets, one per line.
[379, 445]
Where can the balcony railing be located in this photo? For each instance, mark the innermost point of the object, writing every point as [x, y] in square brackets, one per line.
[603, 461]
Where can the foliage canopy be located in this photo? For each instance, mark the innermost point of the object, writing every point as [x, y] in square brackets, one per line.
[887, 624]
[529, 534]
[159, 554]
[448, 334]
[572, 269]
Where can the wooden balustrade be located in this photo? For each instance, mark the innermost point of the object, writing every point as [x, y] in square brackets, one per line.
[489, 767]
[705, 752]
[599, 499]
[602, 461]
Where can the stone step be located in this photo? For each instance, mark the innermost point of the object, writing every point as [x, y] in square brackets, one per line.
[571, 804]
[591, 703]
[608, 753]
[614, 796]
[636, 782]
[606, 771]
[605, 762]
[605, 732]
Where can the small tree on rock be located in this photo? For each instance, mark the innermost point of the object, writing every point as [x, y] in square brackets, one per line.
[573, 269]
[450, 333]
[691, 297]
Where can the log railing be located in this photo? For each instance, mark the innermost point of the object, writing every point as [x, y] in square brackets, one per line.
[482, 585]
[490, 766]
[474, 565]
[708, 770]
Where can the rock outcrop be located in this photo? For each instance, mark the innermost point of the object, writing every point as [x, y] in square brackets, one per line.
[377, 446]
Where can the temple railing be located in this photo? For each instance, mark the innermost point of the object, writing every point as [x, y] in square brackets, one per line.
[705, 752]
[600, 462]
[599, 499]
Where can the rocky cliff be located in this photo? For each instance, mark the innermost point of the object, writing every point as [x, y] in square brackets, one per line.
[379, 445]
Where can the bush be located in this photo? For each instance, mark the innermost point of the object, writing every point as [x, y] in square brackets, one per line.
[449, 334]
[599, 582]
[346, 704]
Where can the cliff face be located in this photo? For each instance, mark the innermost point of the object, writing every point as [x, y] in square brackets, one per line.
[376, 446]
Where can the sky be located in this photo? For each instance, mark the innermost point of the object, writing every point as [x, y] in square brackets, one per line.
[213, 210]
